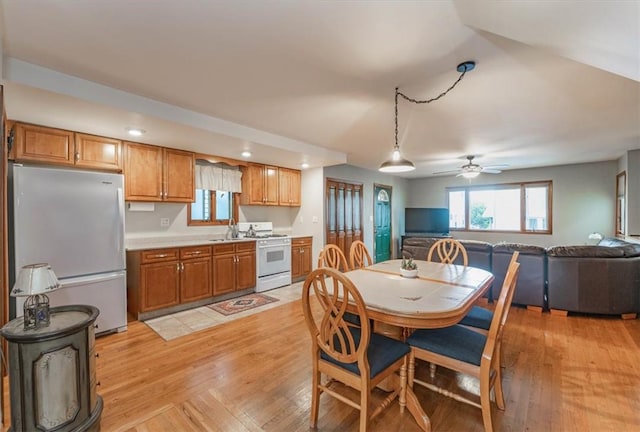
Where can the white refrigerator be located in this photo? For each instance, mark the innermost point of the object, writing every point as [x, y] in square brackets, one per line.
[73, 220]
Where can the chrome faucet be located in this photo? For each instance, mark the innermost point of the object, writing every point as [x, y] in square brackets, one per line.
[232, 231]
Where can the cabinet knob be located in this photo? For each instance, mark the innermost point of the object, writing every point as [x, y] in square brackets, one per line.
[97, 355]
[98, 383]
[95, 326]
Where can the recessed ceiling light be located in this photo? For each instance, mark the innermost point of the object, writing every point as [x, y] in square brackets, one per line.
[135, 131]
[246, 153]
[305, 165]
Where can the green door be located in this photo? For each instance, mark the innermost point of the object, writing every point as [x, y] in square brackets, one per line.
[382, 231]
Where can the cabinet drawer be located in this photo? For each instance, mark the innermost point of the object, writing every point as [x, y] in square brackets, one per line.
[160, 255]
[224, 249]
[247, 246]
[195, 252]
[301, 241]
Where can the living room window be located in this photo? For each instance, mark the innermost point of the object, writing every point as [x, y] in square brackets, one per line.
[512, 207]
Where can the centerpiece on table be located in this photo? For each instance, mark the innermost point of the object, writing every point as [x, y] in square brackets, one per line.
[408, 268]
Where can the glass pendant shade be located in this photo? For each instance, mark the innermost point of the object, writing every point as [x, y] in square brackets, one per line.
[470, 174]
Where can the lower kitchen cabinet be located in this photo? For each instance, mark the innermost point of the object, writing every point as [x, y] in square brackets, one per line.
[195, 278]
[164, 278]
[234, 267]
[301, 251]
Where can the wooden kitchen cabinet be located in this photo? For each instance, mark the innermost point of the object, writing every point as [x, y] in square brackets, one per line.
[234, 267]
[98, 152]
[301, 257]
[289, 187]
[61, 147]
[42, 144]
[260, 184]
[163, 278]
[195, 273]
[155, 173]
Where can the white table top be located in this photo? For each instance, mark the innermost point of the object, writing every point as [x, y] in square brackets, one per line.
[441, 295]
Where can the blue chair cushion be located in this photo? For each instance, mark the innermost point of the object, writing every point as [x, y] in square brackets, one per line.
[352, 318]
[382, 353]
[478, 317]
[455, 342]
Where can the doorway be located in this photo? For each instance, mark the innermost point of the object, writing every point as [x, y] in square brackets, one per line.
[344, 213]
[382, 222]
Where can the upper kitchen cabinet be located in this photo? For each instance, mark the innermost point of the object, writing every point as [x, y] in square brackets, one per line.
[61, 147]
[179, 175]
[158, 174]
[259, 185]
[98, 152]
[289, 187]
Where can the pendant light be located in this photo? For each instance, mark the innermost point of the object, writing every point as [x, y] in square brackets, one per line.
[398, 163]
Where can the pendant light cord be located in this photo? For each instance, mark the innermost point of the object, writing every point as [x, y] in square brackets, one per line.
[426, 101]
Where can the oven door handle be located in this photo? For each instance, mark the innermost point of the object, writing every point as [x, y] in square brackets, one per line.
[281, 246]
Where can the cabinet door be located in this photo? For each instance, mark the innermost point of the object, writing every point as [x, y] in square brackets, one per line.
[195, 279]
[142, 172]
[98, 152]
[305, 259]
[159, 285]
[245, 271]
[43, 144]
[253, 185]
[296, 261]
[271, 185]
[289, 186]
[224, 267]
[179, 172]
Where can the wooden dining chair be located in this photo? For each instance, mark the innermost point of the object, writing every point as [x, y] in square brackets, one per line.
[359, 256]
[479, 318]
[352, 355]
[448, 250]
[332, 256]
[468, 352]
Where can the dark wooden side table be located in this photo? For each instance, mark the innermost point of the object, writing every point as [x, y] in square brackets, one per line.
[52, 373]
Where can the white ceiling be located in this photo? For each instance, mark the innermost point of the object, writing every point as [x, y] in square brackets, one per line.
[309, 81]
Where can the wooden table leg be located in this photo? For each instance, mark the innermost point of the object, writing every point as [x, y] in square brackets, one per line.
[416, 411]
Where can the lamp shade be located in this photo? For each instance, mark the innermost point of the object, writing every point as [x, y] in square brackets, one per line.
[35, 279]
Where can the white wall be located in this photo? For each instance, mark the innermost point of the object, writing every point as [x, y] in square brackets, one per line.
[583, 201]
[309, 218]
[147, 224]
[368, 178]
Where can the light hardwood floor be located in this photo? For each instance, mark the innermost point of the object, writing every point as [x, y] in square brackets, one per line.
[562, 374]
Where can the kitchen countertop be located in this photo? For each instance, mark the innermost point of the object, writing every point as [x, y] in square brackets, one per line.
[143, 243]
[159, 243]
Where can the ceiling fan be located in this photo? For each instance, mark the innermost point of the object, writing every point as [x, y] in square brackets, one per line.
[472, 170]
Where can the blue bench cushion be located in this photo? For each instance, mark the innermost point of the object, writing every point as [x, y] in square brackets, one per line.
[456, 342]
[478, 317]
[382, 353]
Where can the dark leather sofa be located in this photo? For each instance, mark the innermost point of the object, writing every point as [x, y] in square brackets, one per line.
[602, 279]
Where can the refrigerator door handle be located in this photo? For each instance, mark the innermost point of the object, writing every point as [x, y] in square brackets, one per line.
[120, 221]
[84, 280]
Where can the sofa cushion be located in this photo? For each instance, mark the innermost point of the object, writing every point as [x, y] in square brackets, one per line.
[629, 249]
[524, 249]
[586, 251]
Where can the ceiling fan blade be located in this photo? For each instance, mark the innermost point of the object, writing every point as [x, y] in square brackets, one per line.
[447, 172]
[491, 171]
[498, 166]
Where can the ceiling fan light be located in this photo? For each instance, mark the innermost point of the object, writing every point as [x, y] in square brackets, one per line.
[470, 174]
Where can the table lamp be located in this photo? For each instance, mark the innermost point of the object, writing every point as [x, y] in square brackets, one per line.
[33, 281]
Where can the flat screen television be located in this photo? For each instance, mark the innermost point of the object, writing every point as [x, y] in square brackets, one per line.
[426, 221]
